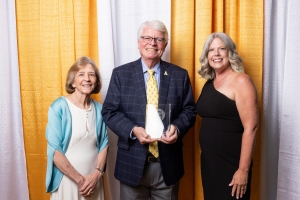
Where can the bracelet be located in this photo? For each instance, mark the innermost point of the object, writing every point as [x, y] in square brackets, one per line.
[101, 171]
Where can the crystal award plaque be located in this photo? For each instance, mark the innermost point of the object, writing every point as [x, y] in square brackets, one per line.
[157, 119]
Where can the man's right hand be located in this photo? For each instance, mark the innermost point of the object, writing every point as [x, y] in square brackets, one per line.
[142, 136]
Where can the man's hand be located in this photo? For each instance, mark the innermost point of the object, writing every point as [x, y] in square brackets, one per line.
[142, 136]
[171, 136]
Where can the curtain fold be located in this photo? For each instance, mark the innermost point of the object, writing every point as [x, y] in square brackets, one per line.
[118, 22]
[272, 97]
[107, 61]
[13, 176]
[51, 35]
[196, 21]
[280, 169]
[182, 54]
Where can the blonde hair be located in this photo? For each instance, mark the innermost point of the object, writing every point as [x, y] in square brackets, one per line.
[77, 65]
[206, 71]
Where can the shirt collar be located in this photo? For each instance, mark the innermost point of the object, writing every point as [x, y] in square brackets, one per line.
[156, 68]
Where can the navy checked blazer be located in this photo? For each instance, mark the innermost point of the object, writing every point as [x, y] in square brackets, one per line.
[125, 107]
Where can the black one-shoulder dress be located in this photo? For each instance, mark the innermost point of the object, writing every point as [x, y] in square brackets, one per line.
[220, 141]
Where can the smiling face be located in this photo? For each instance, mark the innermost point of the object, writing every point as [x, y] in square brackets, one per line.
[85, 80]
[218, 55]
[151, 51]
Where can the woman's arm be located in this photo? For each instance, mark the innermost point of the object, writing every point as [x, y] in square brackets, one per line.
[92, 179]
[63, 164]
[246, 101]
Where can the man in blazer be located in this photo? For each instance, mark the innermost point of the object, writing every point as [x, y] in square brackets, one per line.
[142, 175]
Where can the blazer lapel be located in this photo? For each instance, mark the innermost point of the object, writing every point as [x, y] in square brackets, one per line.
[165, 75]
[138, 79]
[138, 76]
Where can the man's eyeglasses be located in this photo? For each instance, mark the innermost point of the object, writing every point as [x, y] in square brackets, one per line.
[149, 39]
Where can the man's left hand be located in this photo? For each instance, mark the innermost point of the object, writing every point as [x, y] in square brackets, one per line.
[171, 136]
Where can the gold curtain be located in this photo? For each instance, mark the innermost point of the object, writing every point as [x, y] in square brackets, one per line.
[51, 35]
[192, 22]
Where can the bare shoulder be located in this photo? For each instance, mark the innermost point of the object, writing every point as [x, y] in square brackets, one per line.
[242, 80]
[244, 85]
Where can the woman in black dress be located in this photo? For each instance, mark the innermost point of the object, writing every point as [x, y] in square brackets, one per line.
[228, 107]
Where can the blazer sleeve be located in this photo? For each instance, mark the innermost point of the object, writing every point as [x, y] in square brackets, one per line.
[111, 111]
[186, 119]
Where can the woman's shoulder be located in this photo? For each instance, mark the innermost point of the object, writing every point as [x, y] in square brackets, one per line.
[59, 100]
[59, 103]
[97, 103]
[243, 82]
[242, 79]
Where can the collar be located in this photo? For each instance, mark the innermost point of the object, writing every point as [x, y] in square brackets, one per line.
[156, 68]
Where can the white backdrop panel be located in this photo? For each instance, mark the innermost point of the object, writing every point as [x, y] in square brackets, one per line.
[118, 22]
[272, 96]
[289, 149]
[13, 174]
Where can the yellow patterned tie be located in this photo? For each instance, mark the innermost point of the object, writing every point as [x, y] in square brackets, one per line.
[152, 98]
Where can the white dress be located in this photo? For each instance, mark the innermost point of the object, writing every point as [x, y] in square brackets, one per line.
[82, 153]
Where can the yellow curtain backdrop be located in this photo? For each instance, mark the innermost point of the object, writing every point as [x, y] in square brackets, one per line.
[192, 22]
[51, 35]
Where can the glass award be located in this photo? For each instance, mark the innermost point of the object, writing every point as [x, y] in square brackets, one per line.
[157, 119]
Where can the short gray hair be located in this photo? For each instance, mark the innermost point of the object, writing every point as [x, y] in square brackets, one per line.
[155, 24]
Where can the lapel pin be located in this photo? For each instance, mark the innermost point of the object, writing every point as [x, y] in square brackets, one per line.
[166, 74]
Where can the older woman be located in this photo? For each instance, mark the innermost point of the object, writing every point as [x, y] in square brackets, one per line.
[77, 137]
[228, 107]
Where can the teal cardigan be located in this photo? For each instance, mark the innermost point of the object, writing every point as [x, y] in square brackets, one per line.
[59, 132]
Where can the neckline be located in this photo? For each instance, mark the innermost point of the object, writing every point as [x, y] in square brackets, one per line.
[212, 83]
[88, 109]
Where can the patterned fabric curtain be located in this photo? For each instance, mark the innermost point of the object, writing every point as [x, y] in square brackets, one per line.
[51, 35]
[280, 172]
[118, 22]
[13, 174]
[190, 24]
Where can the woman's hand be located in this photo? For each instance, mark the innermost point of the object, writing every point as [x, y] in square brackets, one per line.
[239, 183]
[81, 182]
[91, 181]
